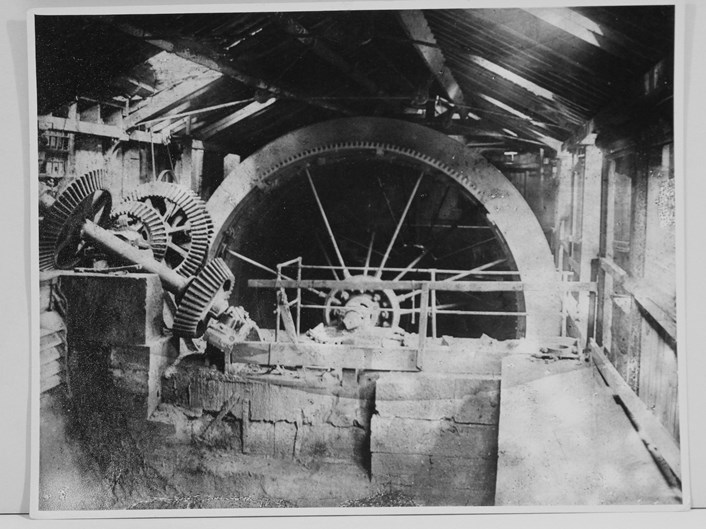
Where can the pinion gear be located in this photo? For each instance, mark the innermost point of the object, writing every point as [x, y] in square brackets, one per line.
[213, 280]
[144, 220]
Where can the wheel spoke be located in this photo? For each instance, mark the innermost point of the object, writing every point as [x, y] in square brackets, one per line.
[408, 295]
[435, 218]
[387, 201]
[370, 252]
[378, 274]
[346, 273]
[178, 249]
[465, 248]
[411, 265]
[474, 270]
[328, 259]
[170, 210]
[175, 229]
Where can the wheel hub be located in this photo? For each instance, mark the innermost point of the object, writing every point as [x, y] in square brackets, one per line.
[358, 309]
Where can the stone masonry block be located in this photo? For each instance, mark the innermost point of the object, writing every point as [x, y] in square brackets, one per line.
[112, 309]
[415, 436]
[464, 399]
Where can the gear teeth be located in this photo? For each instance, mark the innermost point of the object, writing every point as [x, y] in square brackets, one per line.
[152, 222]
[199, 296]
[195, 210]
[66, 205]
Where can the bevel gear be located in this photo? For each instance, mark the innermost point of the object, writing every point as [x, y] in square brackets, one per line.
[189, 226]
[215, 279]
[60, 242]
[144, 220]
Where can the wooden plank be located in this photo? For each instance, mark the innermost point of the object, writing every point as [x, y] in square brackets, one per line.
[447, 286]
[166, 98]
[200, 53]
[97, 129]
[642, 294]
[231, 119]
[654, 435]
[325, 355]
[416, 26]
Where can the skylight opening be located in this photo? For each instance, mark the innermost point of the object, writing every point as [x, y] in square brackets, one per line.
[512, 77]
[570, 21]
[170, 69]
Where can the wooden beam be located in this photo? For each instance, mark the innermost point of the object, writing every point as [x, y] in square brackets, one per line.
[589, 31]
[171, 96]
[655, 436]
[96, 129]
[325, 355]
[319, 47]
[231, 119]
[199, 53]
[447, 286]
[641, 292]
[417, 28]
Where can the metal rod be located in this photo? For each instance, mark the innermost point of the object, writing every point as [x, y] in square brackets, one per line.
[387, 201]
[412, 264]
[399, 226]
[445, 286]
[432, 225]
[346, 273]
[370, 253]
[424, 270]
[474, 270]
[465, 248]
[328, 260]
[272, 271]
[104, 239]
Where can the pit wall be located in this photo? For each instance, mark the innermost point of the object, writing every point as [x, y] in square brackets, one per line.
[431, 436]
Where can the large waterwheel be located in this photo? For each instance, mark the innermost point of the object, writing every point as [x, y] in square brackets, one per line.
[369, 200]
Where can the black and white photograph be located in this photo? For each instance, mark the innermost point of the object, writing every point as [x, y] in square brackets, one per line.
[357, 261]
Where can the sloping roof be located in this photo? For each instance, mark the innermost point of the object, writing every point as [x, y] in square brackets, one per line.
[527, 78]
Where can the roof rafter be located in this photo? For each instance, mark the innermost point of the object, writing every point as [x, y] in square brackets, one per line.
[301, 34]
[204, 55]
[231, 119]
[161, 101]
[418, 30]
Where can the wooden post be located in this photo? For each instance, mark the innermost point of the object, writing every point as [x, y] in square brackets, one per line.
[433, 306]
[423, 320]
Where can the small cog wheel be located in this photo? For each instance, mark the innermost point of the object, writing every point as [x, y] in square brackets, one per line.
[213, 280]
[60, 242]
[145, 221]
[189, 226]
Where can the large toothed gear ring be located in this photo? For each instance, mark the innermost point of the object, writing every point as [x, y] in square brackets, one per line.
[60, 243]
[189, 226]
[215, 279]
[145, 221]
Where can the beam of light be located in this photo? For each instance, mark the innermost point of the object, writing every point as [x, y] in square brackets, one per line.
[512, 77]
[511, 133]
[570, 21]
[505, 107]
